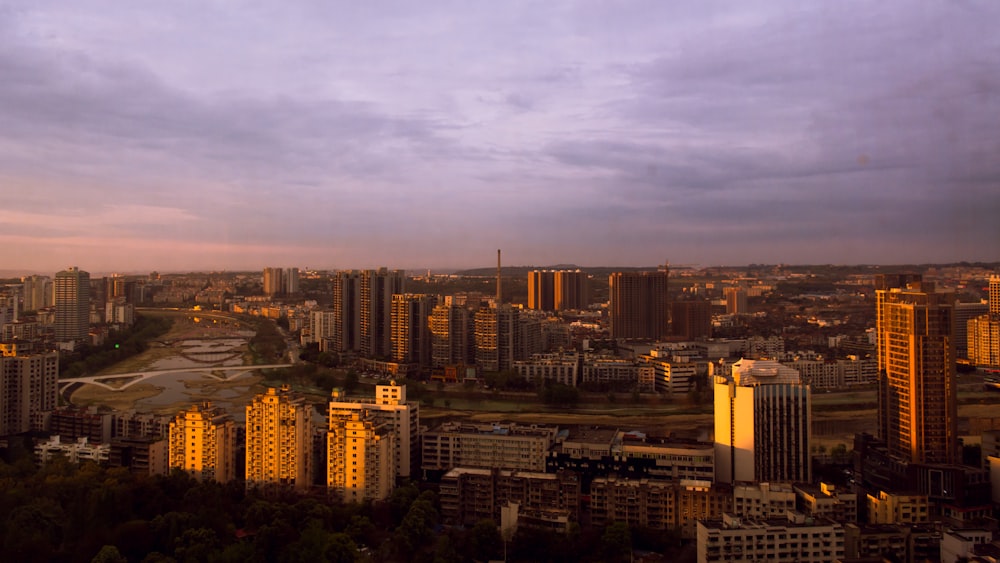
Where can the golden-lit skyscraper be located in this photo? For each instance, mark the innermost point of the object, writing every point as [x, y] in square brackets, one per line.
[203, 443]
[994, 295]
[983, 341]
[279, 440]
[72, 298]
[639, 305]
[918, 406]
[736, 301]
[389, 406]
[763, 424]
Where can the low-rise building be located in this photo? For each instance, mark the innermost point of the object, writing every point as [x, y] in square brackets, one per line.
[546, 500]
[795, 539]
[75, 452]
[504, 446]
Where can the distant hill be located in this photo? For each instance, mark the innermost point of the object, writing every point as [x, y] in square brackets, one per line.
[523, 270]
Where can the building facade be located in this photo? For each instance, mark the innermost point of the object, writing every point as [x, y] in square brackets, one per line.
[411, 334]
[203, 443]
[639, 307]
[918, 404]
[29, 386]
[279, 440]
[72, 300]
[763, 424]
[376, 290]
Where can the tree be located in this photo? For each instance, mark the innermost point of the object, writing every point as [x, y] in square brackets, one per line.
[617, 542]
[484, 540]
[109, 554]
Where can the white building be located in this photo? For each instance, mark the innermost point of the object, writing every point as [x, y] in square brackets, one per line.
[796, 539]
[763, 415]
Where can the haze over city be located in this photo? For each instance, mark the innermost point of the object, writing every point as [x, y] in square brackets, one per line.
[194, 135]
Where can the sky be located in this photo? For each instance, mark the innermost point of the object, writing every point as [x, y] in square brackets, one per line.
[216, 134]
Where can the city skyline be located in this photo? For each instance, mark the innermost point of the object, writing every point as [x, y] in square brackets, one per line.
[193, 137]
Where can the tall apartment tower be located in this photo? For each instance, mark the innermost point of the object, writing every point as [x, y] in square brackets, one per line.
[411, 335]
[361, 455]
[736, 301]
[639, 305]
[347, 311]
[541, 290]
[763, 416]
[36, 292]
[377, 289]
[983, 342]
[572, 290]
[279, 440]
[29, 386]
[72, 298]
[918, 407]
[281, 281]
[496, 330]
[964, 312]
[452, 336]
[994, 295]
[203, 443]
[390, 407]
[691, 319]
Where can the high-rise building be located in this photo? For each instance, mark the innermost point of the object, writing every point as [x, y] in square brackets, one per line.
[72, 292]
[572, 290]
[763, 416]
[452, 336]
[411, 336]
[496, 337]
[29, 386]
[541, 290]
[377, 289]
[639, 305]
[736, 301]
[347, 311]
[279, 440]
[361, 454]
[994, 296]
[203, 443]
[280, 281]
[692, 319]
[918, 407]
[36, 292]
[964, 312]
[983, 341]
[290, 280]
[389, 407]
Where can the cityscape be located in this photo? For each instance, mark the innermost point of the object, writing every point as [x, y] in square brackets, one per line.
[763, 412]
[566, 281]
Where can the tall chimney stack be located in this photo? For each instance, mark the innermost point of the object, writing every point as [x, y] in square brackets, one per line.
[499, 292]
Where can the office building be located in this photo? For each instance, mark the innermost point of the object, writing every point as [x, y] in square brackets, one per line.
[541, 290]
[361, 456]
[763, 415]
[411, 335]
[72, 300]
[29, 386]
[918, 405]
[388, 406]
[639, 305]
[376, 291]
[452, 336]
[279, 440]
[203, 443]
